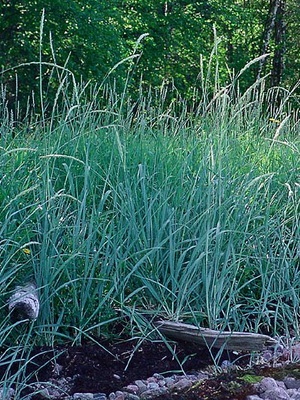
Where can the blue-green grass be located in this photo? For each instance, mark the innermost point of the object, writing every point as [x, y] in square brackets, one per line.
[124, 214]
[183, 216]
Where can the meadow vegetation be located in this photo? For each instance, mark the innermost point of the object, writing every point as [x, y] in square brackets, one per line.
[123, 212]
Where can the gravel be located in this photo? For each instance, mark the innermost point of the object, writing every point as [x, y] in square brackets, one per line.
[267, 389]
[156, 385]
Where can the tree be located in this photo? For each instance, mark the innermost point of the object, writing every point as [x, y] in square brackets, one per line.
[280, 45]
[94, 35]
[292, 43]
[83, 32]
[275, 27]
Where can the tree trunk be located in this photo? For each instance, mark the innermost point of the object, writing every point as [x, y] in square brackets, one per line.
[269, 28]
[280, 30]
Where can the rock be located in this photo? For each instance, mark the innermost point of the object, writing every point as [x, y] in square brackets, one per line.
[57, 369]
[153, 386]
[277, 393]
[117, 396]
[170, 382]
[131, 396]
[226, 365]
[6, 394]
[131, 389]
[201, 376]
[267, 384]
[83, 396]
[141, 385]
[158, 376]
[267, 355]
[99, 396]
[296, 396]
[152, 379]
[182, 384]
[292, 393]
[296, 353]
[253, 397]
[149, 394]
[281, 384]
[291, 383]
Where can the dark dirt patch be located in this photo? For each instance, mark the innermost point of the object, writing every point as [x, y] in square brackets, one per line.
[111, 366]
[108, 367]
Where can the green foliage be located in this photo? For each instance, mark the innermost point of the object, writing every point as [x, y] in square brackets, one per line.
[292, 59]
[184, 217]
[90, 37]
[83, 34]
[122, 216]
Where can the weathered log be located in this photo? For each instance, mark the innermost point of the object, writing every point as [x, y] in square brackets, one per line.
[24, 303]
[239, 341]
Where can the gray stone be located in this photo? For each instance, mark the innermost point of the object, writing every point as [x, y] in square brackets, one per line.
[169, 381]
[119, 395]
[296, 396]
[291, 383]
[141, 385]
[267, 384]
[178, 377]
[253, 397]
[277, 393]
[100, 396]
[182, 384]
[226, 365]
[200, 376]
[296, 353]
[149, 394]
[292, 393]
[131, 396]
[267, 355]
[153, 386]
[152, 379]
[281, 384]
[6, 394]
[83, 396]
[131, 389]
[192, 377]
[158, 376]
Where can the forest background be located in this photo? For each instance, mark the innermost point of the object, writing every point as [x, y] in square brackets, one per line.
[90, 37]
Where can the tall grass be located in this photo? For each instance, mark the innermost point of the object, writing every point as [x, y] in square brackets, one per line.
[126, 212]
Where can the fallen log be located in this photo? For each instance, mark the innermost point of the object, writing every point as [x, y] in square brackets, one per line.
[24, 303]
[239, 341]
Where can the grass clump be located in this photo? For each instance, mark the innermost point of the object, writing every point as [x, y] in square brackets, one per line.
[122, 211]
[162, 214]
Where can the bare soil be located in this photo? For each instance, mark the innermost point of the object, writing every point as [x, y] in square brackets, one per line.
[109, 366]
